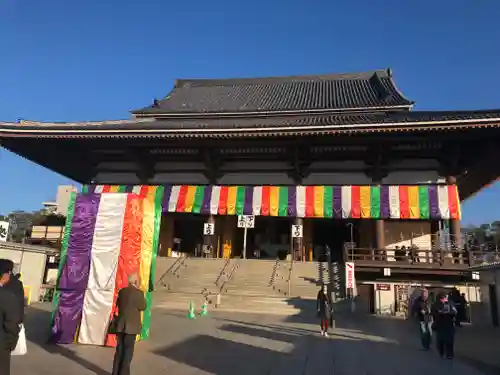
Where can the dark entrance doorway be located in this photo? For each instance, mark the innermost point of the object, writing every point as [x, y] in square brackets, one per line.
[269, 239]
[188, 233]
[492, 289]
[334, 234]
[365, 301]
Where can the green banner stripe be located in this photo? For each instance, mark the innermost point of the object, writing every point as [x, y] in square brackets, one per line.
[240, 200]
[328, 201]
[283, 201]
[63, 255]
[160, 190]
[198, 199]
[423, 202]
[375, 202]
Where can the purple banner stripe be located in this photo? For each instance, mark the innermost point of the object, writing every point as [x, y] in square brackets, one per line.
[75, 273]
[434, 202]
[248, 208]
[166, 197]
[205, 207]
[292, 201]
[385, 206]
[129, 188]
[337, 202]
[91, 189]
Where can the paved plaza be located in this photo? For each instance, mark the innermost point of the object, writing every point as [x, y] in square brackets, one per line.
[232, 343]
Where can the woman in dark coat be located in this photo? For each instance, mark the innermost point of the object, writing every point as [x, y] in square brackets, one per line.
[324, 307]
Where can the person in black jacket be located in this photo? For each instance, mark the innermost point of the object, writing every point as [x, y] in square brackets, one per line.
[127, 324]
[422, 309]
[16, 286]
[9, 319]
[444, 313]
[324, 308]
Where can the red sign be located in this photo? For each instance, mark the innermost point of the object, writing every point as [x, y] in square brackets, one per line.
[349, 275]
[383, 287]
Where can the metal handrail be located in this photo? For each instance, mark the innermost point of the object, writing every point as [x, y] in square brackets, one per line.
[290, 271]
[229, 276]
[273, 275]
[177, 264]
[223, 271]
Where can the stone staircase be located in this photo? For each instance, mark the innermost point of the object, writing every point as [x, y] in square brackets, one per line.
[249, 285]
[189, 275]
[252, 278]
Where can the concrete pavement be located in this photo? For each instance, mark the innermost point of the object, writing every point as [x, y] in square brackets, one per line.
[232, 343]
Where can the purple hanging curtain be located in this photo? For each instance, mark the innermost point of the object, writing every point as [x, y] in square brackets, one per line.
[75, 272]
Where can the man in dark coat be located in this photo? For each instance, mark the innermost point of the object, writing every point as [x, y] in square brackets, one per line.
[16, 287]
[9, 319]
[127, 325]
[324, 308]
[444, 313]
[422, 309]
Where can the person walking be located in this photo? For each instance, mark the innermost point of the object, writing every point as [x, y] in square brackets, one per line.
[127, 325]
[422, 309]
[9, 319]
[444, 314]
[324, 308]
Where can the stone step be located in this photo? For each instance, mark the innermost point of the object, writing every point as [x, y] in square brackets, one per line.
[267, 305]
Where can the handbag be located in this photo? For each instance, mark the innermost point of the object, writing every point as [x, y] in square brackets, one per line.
[21, 347]
[113, 325]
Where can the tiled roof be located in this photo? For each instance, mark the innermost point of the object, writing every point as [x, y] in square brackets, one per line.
[374, 89]
[263, 125]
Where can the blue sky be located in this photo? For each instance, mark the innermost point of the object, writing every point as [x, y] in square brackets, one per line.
[92, 60]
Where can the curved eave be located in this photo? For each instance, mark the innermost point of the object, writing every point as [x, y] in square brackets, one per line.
[140, 130]
[161, 113]
[395, 87]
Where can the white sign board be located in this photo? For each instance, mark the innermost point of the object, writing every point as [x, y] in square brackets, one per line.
[297, 231]
[246, 221]
[387, 272]
[4, 230]
[208, 229]
[349, 276]
[475, 276]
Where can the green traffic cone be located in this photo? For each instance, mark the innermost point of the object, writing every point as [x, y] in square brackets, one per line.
[191, 314]
[204, 309]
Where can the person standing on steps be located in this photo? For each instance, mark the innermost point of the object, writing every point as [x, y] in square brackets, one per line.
[127, 324]
[9, 318]
[324, 309]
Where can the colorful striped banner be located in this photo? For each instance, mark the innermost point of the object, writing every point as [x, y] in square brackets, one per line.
[111, 237]
[339, 202]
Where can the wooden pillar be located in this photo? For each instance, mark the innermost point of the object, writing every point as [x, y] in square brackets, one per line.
[298, 248]
[379, 230]
[380, 237]
[209, 240]
[166, 235]
[456, 238]
[307, 240]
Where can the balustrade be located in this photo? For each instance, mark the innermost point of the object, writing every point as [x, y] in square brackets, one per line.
[416, 257]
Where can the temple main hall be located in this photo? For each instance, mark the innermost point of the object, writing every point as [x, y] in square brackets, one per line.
[343, 157]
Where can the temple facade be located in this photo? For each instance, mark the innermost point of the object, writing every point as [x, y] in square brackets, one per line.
[342, 157]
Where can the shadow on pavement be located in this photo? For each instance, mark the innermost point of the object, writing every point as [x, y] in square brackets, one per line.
[220, 356]
[406, 332]
[37, 323]
[308, 354]
[259, 332]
